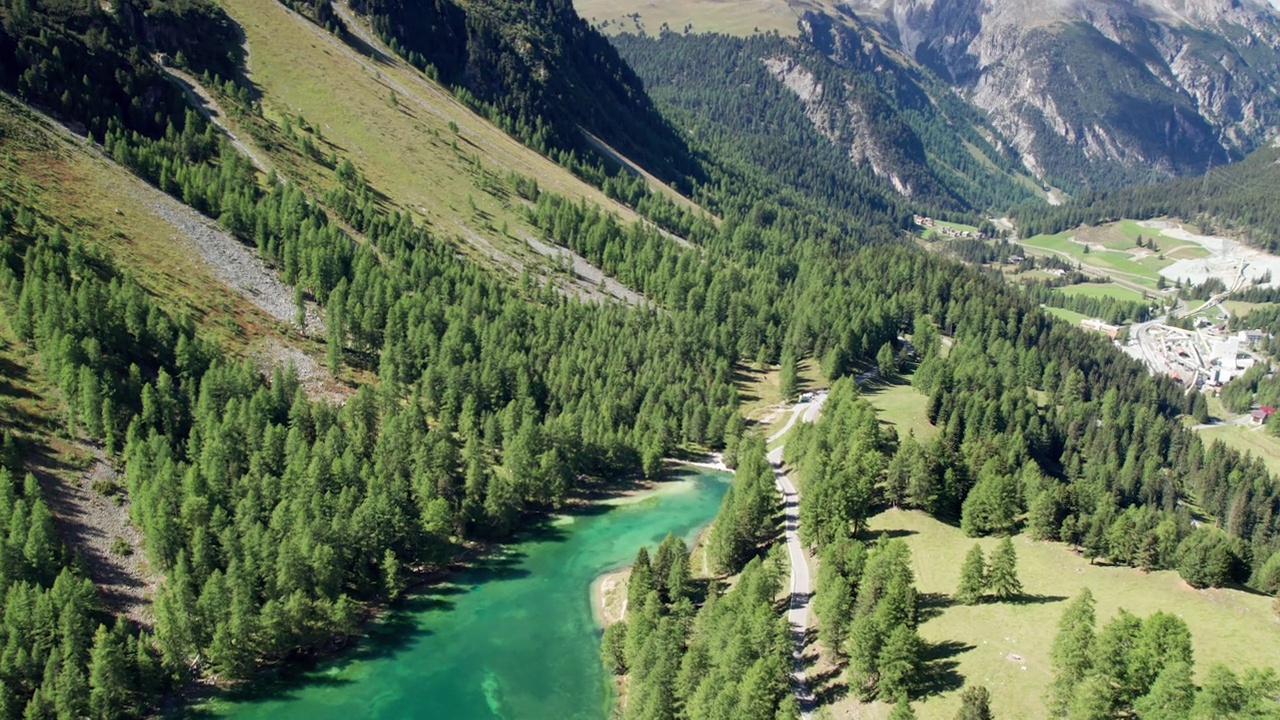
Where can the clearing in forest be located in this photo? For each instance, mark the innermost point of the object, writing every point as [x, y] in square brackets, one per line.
[1005, 645]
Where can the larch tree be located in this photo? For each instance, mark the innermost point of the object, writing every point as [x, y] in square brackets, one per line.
[899, 663]
[1072, 651]
[886, 361]
[1003, 576]
[1171, 697]
[975, 704]
[973, 577]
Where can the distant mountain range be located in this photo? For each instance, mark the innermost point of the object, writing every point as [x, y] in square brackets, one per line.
[1102, 89]
[1076, 94]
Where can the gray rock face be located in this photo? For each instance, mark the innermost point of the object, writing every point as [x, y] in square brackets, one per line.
[844, 122]
[1083, 88]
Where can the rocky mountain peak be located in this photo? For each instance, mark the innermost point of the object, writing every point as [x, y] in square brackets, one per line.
[1090, 88]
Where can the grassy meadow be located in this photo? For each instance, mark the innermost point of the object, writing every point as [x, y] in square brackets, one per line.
[1113, 248]
[1005, 646]
[415, 143]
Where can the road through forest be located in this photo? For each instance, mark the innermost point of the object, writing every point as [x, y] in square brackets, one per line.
[801, 580]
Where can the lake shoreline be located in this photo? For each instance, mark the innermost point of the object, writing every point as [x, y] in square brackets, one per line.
[605, 608]
[623, 490]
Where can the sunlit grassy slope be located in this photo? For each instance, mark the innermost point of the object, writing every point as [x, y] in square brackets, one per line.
[101, 204]
[398, 127]
[1005, 646]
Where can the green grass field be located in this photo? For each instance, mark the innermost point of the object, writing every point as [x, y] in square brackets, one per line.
[1248, 438]
[1239, 308]
[933, 233]
[1070, 316]
[1101, 290]
[1119, 253]
[902, 406]
[1005, 646]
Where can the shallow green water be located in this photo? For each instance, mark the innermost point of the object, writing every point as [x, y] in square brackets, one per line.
[514, 640]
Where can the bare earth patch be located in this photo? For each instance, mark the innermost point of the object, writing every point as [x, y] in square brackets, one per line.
[315, 378]
[590, 281]
[99, 532]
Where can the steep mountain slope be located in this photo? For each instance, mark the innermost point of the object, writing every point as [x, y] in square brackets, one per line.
[831, 114]
[539, 71]
[424, 151]
[1084, 93]
[1103, 90]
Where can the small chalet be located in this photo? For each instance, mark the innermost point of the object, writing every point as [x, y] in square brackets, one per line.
[1262, 414]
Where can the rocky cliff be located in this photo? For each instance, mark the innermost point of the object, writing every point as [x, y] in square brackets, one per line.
[1101, 91]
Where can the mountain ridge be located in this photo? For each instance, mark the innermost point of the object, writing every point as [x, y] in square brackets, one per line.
[1103, 89]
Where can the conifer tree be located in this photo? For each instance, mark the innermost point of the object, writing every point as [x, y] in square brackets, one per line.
[1072, 651]
[886, 361]
[107, 679]
[1171, 697]
[973, 577]
[1003, 576]
[899, 662]
[613, 644]
[787, 377]
[640, 583]
[975, 704]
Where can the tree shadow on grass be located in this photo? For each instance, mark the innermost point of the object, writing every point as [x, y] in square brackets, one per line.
[1028, 599]
[931, 605]
[831, 693]
[821, 679]
[939, 673]
[870, 536]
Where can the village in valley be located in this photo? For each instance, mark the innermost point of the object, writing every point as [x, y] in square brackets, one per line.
[1194, 330]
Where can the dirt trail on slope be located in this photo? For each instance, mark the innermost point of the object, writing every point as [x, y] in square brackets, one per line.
[211, 110]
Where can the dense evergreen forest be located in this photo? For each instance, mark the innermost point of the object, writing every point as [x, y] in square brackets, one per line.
[719, 89]
[689, 651]
[275, 519]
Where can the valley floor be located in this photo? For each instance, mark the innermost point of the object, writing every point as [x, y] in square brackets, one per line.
[1005, 646]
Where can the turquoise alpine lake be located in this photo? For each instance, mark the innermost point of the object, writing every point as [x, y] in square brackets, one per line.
[515, 638]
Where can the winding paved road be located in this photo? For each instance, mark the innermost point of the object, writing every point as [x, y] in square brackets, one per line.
[801, 580]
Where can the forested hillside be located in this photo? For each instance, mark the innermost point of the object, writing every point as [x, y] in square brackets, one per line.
[1240, 199]
[539, 72]
[276, 520]
[826, 119]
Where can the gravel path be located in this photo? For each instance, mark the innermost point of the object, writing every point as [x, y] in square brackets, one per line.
[208, 106]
